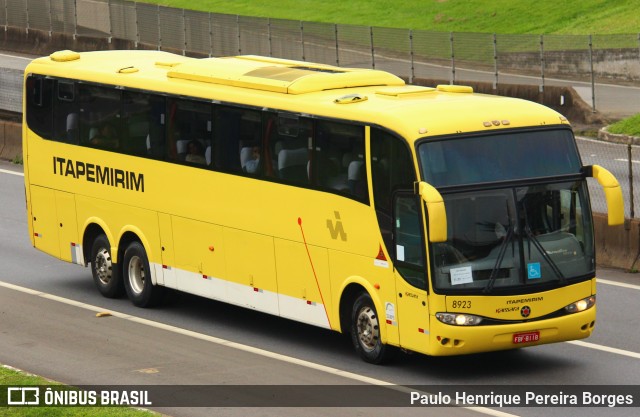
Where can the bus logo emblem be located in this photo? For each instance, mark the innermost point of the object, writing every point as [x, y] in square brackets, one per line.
[336, 229]
[525, 311]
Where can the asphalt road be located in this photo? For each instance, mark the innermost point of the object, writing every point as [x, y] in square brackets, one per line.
[48, 326]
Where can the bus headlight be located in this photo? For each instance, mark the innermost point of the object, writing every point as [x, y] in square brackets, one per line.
[581, 305]
[459, 319]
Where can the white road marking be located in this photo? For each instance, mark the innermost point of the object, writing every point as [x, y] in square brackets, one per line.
[17, 56]
[618, 284]
[616, 351]
[6, 171]
[626, 160]
[234, 345]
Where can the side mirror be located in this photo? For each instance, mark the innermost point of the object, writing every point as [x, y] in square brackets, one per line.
[436, 212]
[612, 193]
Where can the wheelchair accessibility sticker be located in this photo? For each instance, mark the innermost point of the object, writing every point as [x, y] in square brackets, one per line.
[533, 270]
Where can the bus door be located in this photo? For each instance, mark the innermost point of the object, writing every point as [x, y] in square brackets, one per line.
[410, 272]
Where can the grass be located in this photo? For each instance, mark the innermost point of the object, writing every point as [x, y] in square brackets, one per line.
[13, 377]
[629, 126]
[490, 16]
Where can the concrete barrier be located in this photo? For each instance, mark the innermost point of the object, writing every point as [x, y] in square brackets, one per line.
[10, 140]
[617, 246]
[604, 134]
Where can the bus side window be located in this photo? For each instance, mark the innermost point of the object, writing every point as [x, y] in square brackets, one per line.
[269, 140]
[142, 116]
[339, 158]
[226, 150]
[99, 119]
[251, 161]
[238, 140]
[156, 139]
[65, 112]
[189, 130]
[39, 94]
[289, 146]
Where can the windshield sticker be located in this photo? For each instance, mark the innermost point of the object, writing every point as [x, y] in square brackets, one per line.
[533, 270]
[462, 275]
[400, 252]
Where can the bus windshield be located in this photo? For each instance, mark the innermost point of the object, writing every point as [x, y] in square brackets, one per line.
[510, 237]
[499, 157]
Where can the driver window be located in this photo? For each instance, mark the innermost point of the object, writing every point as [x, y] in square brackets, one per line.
[409, 245]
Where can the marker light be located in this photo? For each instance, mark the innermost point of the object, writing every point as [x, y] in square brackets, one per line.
[459, 319]
[581, 305]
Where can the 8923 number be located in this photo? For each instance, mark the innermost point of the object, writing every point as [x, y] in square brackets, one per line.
[461, 304]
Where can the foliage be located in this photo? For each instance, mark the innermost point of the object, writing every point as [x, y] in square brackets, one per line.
[489, 16]
[629, 126]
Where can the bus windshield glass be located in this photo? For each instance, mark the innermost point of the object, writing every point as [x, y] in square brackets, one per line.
[499, 157]
[515, 236]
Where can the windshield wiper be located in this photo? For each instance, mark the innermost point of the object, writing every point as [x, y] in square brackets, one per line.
[496, 268]
[533, 239]
[545, 255]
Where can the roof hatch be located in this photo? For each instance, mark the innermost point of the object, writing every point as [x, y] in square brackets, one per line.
[64, 56]
[279, 75]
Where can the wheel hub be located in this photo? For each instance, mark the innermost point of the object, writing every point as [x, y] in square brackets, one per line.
[137, 274]
[103, 266]
[368, 328]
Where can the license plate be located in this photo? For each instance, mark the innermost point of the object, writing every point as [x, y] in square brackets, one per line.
[526, 337]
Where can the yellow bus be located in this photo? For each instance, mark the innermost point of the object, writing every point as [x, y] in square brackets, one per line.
[435, 220]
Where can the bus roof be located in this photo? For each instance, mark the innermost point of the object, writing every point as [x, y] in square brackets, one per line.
[364, 95]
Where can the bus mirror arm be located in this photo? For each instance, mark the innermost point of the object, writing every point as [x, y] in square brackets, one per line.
[436, 212]
[612, 192]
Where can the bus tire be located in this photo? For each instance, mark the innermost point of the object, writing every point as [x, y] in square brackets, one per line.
[365, 331]
[104, 270]
[137, 277]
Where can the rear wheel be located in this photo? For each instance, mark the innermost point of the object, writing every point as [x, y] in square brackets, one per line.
[365, 331]
[104, 270]
[137, 277]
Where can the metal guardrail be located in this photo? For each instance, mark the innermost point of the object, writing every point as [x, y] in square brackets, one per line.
[421, 53]
[11, 87]
[518, 59]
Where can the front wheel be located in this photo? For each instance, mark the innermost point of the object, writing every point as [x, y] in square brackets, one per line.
[137, 277]
[365, 331]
